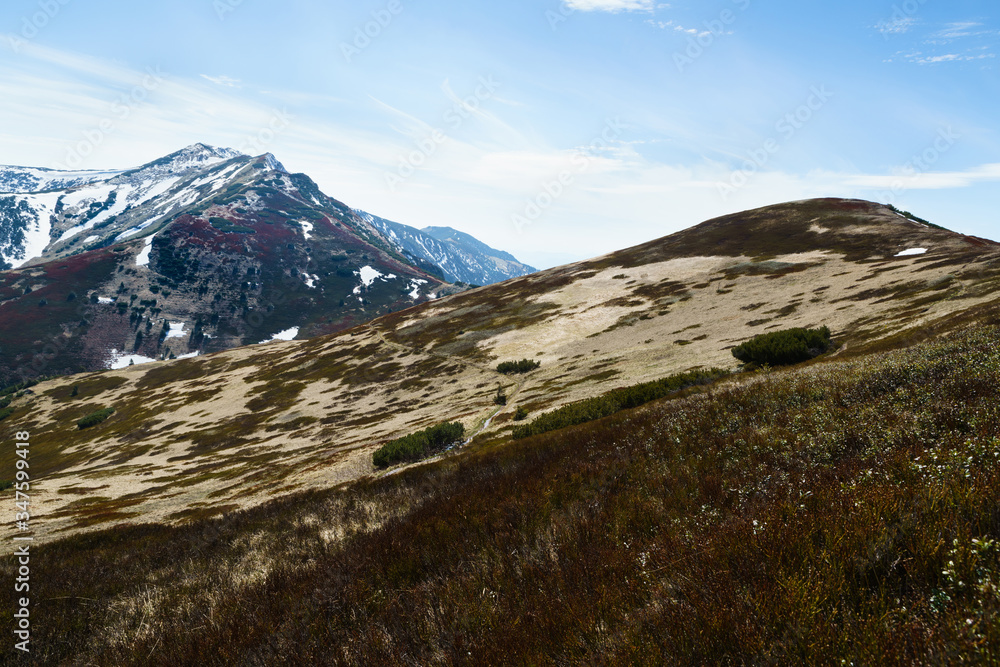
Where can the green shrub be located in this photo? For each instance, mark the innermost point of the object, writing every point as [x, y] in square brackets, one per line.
[6, 485]
[907, 214]
[231, 227]
[95, 418]
[418, 445]
[501, 396]
[781, 348]
[614, 401]
[523, 366]
[14, 388]
[520, 414]
[6, 412]
[5, 401]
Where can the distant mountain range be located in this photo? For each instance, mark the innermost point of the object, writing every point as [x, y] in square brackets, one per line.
[202, 250]
[459, 256]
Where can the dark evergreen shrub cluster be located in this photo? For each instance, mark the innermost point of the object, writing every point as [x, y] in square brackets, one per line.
[231, 227]
[14, 388]
[782, 348]
[418, 445]
[523, 366]
[614, 401]
[95, 418]
[907, 214]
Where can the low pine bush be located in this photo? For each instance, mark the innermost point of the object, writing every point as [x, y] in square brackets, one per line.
[418, 445]
[14, 388]
[782, 348]
[95, 418]
[512, 367]
[615, 401]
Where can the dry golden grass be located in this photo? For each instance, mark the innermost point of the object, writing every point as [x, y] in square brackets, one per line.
[199, 437]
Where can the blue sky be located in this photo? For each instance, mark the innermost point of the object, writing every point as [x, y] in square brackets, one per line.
[555, 129]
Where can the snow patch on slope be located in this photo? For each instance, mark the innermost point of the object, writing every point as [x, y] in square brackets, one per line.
[142, 259]
[368, 275]
[121, 203]
[287, 334]
[121, 360]
[36, 232]
[415, 284]
[176, 330]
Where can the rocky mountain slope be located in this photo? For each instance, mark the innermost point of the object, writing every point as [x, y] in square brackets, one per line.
[203, 250]
[202, 436]
[458, 256]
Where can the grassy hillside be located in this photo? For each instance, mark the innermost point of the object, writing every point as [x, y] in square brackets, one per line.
[199, 437]
[845, 512]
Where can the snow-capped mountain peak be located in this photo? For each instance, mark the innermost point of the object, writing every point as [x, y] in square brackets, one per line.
[195, 156]
[273, 164]
[204, 153]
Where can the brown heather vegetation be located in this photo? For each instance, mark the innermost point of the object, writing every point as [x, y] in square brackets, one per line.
[842, 513]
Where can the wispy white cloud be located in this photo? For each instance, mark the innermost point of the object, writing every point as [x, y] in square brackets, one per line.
[225, 81]
[676, 27]
[897, 26]
[86, 68]
[922, 59]
[934, 180]
[950, 43]
[959, 30]
[610, 5]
